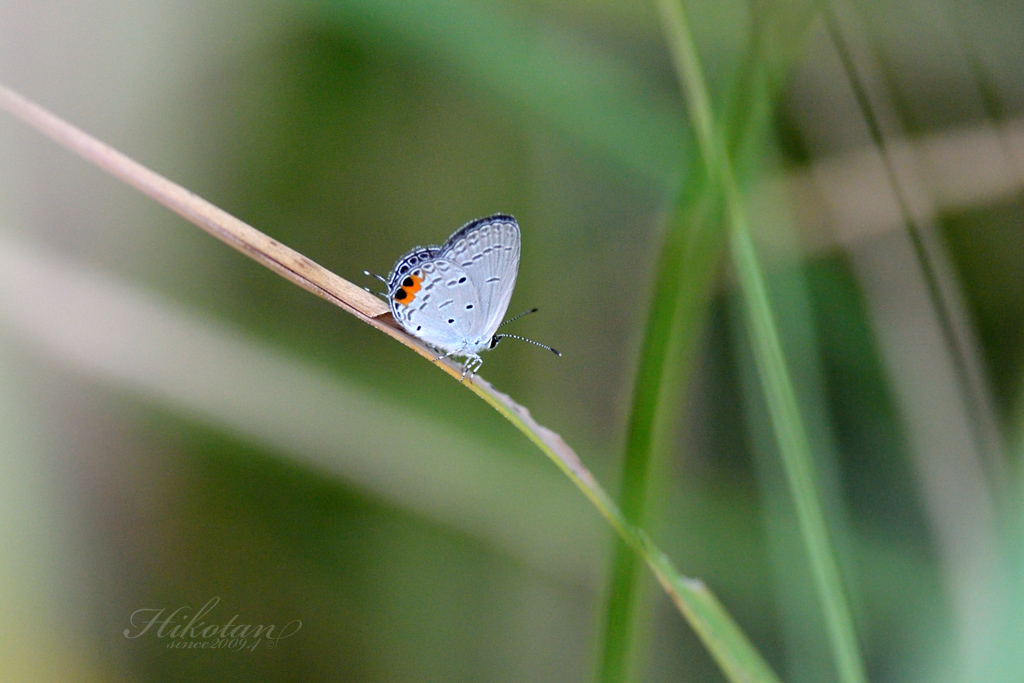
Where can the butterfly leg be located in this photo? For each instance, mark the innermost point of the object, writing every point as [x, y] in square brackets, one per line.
[465, 366]
[382, 295]
[471, 366]
[447, 355]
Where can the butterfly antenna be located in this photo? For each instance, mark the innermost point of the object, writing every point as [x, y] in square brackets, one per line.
[499, 337]
[379, 277]
[517, 317]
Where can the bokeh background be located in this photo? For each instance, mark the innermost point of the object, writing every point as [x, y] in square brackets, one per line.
[179, 424]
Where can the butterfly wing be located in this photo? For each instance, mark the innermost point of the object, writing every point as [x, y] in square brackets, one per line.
[413, 258]
[487, 251]
[438, 302]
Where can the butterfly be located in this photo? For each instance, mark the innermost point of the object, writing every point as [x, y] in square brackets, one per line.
[454, 297]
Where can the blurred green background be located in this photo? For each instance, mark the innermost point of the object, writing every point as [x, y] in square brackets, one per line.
[179, 424]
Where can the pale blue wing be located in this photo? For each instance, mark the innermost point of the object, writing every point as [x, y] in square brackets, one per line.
[441, 308]
[487, 249]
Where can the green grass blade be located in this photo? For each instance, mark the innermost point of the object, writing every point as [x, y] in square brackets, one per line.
[686, 270]
[640, 444]
[780, 396]
[976, 400]
[688, 262]
[726, 642]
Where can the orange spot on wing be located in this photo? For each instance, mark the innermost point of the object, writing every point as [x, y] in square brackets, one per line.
[407, 292]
